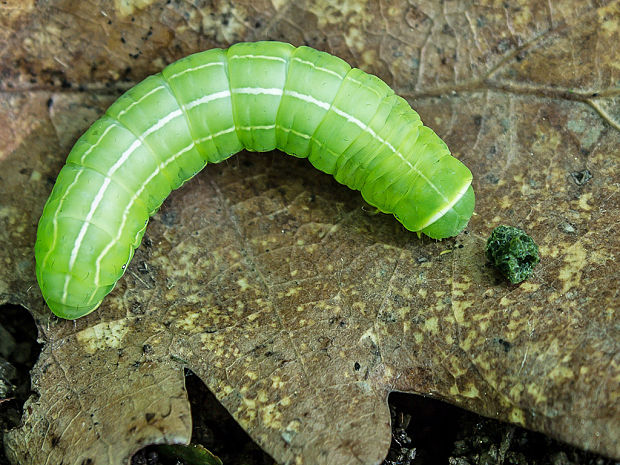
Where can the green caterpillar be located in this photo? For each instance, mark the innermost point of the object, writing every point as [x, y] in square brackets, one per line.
[206, 107]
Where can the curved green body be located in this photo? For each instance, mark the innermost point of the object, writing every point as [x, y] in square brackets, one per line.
[208, 106]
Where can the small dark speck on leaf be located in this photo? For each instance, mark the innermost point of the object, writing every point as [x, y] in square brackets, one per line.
[581, 177]
[505, 344]
[492, 178]
[143, 268]
[567, 228]
[357, 366]
[169, 218]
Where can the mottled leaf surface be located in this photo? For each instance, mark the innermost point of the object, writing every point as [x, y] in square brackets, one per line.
[297, 306]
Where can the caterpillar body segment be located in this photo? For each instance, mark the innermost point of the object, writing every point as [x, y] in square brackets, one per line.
[208, 106]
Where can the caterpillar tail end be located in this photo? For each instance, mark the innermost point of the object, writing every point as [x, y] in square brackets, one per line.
[455, 219]
[75, 303]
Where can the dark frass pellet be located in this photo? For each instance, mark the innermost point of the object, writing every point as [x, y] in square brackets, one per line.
[512, 252]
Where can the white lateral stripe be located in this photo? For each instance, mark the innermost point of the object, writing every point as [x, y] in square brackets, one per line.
[208, 98]
[91, 213]
[297, 133]
[131, 105]
[348, 117]
[249, 128]
[81, 234]
[98, 198]
[318, 68]
[123, 158]
[448, 206]
[366, 128]
[151, 176]
[260, 57]
[257, 91]
[162, 122]
[252, 128]
[133, 199]
[195, 68]
[217, 134]
[55, 218]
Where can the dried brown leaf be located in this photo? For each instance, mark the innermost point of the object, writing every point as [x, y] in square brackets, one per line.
[297, 308]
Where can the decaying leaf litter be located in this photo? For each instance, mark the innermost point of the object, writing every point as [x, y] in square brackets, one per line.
[258, 280]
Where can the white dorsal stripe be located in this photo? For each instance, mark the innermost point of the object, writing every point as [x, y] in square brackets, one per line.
[318, 68]
[334, 73]
[132, 104]
[260, 57]
[103, 134]
[361, 84]
[195, 68]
